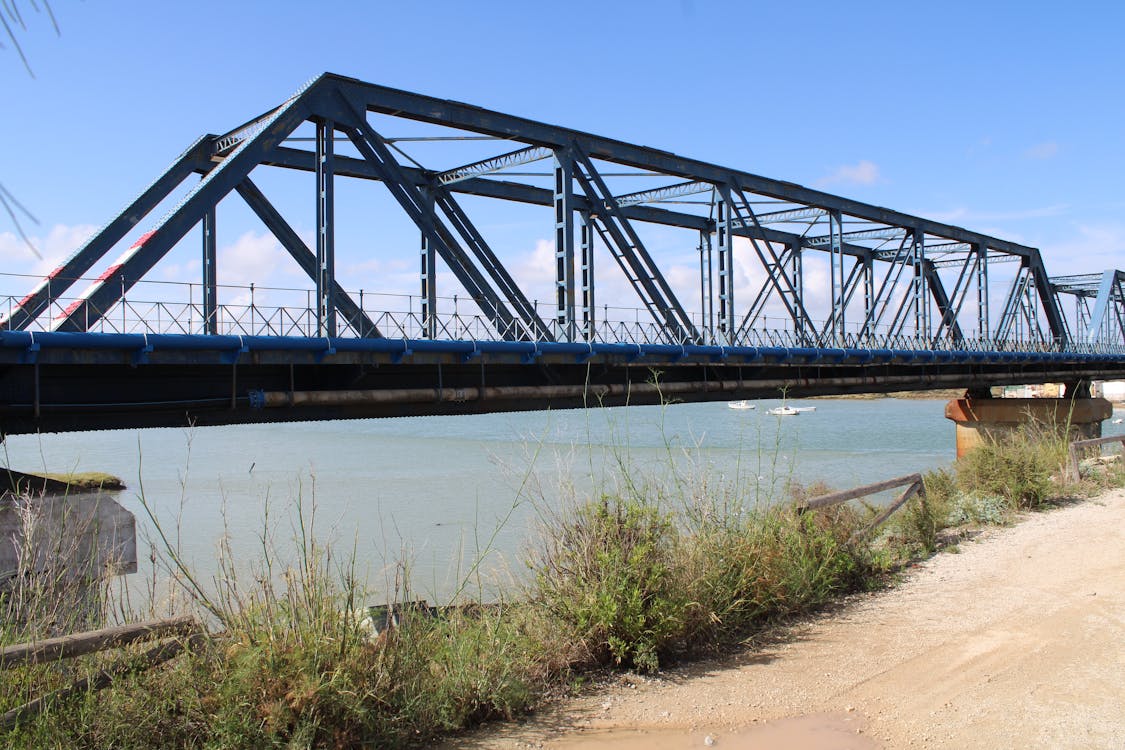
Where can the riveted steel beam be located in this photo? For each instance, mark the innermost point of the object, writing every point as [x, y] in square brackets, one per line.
[210, 275]
[139, 259]
[884, 233]
[471, 118]
[417, 206]
[57, 282]
[665, 193]
[630, 253]
[564, 245]
[495, 164]
[325, 229]
[589, 302]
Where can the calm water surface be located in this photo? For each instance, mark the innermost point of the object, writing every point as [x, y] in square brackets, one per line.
[436, 489]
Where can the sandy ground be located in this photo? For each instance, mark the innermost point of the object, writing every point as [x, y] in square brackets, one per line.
[1016, 642]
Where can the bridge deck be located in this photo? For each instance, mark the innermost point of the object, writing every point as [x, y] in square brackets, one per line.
[55, 381]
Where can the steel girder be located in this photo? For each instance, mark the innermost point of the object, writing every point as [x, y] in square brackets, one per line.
[57, 282]
[418, 206]
[630, 253]
[950, 254]
[746, 206]
[1105, 321]
[113, 283]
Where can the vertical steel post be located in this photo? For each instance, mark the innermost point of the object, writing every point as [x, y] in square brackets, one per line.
[725, 241]
[586, 232]
[325, 235]
[798, 273]
[564, 246]
[983, 323]
[920, 299]
[428, 274]
[707, 285]
[836, 271]
[868, 291]
[1082, 317]
[210, 275]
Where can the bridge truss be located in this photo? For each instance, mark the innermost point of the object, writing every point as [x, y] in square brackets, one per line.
[891, 288]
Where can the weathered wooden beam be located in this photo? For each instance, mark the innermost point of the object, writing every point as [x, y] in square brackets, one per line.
[918, 487]
[1073, 470]
[835, 498]
[157, 654]
[78, 644]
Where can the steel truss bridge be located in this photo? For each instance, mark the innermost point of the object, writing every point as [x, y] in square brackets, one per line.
[900, 302]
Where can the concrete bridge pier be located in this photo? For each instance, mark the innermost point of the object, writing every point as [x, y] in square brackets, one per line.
[56, 552]
[980, 417]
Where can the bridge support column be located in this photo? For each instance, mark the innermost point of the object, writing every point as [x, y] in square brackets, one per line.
[564, 247]
[586, 229]
[725, 243]
[428, 276]
[210, 275]
[981, 419]
[325, 230]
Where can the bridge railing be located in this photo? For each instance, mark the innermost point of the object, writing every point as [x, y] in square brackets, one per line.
[250, 310]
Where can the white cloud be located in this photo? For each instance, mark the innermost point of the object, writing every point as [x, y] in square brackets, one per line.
[252, 258]
[534, 273]
[1091, 249]
[1040, 151]
[963, 215]
[862, 173]
[58, 244]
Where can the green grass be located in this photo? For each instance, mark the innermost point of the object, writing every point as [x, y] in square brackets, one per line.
[88, 480]
[989, 486]
[637, 580]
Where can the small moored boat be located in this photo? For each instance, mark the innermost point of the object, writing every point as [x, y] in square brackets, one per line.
[741, 405]
[789, 411]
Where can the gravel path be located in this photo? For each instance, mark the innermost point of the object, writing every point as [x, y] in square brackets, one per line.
[1016, 642]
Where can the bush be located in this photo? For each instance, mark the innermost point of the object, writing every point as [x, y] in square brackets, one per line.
[1018, 468]
[605, 574]
[927, 513]
[745, 570]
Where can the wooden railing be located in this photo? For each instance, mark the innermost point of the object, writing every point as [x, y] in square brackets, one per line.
[1073, 472]
[913, 483]
[176, 634]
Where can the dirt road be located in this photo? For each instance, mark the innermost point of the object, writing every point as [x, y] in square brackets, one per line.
[1018, 641]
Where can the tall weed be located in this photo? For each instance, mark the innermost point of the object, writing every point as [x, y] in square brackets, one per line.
[1019, 467]
[606, 574]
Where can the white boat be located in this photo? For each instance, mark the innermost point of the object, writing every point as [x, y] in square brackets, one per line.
[741, 405]
[789, 411]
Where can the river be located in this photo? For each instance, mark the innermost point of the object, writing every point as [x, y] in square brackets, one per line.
[435, 490]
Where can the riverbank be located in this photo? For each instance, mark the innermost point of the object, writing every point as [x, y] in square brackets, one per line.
[21, 483]
[665, 570]
[941, 394]
[1013, 643]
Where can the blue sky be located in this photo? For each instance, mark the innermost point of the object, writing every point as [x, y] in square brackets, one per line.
[1001, 117]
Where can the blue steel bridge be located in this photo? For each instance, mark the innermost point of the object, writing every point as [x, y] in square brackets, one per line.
[901, 302]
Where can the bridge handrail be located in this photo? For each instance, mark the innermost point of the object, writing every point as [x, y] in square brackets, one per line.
[398, 315]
